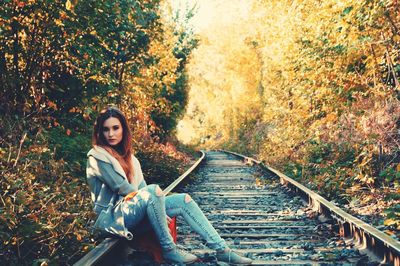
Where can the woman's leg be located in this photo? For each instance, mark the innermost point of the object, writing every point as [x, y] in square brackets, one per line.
[150, 201]
[183, 205]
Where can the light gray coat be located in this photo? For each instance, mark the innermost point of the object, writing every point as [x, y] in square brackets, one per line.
[108, 186]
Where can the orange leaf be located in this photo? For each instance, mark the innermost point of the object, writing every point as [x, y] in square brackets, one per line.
[389, 232]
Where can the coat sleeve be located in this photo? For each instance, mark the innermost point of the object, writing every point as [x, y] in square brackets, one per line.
[138, 168]
[142, 184]
[106, 173]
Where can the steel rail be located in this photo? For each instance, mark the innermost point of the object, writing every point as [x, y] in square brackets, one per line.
[107, 246]
[363, 234]
[184, 175]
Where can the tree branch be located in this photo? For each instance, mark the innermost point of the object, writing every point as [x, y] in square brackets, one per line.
[20, 147]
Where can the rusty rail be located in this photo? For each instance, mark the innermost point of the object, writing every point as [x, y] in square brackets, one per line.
[363, 234]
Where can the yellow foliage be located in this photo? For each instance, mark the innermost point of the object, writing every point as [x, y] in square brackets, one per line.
[389, 222]
[68, 5]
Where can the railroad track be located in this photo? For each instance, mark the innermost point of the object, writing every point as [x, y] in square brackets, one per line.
[268, 222]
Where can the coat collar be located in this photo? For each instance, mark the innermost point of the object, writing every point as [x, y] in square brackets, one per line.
[103, 155]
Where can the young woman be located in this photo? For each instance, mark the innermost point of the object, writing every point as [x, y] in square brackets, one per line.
[113, 173]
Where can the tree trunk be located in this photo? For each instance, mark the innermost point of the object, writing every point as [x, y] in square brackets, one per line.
[121, 76]
[18, 94]
[3, 73]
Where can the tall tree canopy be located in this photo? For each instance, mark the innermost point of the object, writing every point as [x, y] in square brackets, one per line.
[312, 86]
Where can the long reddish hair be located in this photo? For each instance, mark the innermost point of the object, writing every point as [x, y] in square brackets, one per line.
[123, 151]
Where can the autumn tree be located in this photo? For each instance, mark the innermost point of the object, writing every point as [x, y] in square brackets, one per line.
[322, 80]
[60, 62]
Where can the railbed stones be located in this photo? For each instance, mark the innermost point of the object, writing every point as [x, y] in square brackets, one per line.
[260, 218]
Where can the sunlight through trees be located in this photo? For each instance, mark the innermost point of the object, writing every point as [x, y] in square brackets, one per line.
[309, 86]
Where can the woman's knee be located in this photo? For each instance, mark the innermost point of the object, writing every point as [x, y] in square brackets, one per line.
[184, 197]
[188, 198]
[155, 190]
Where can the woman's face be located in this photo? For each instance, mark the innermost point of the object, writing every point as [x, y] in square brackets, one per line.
[112, 130]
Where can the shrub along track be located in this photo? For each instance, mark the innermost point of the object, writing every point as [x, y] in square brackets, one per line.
[259, 217]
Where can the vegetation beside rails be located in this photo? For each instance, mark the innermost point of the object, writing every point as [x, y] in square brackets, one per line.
[45, 206]
[61, 62]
